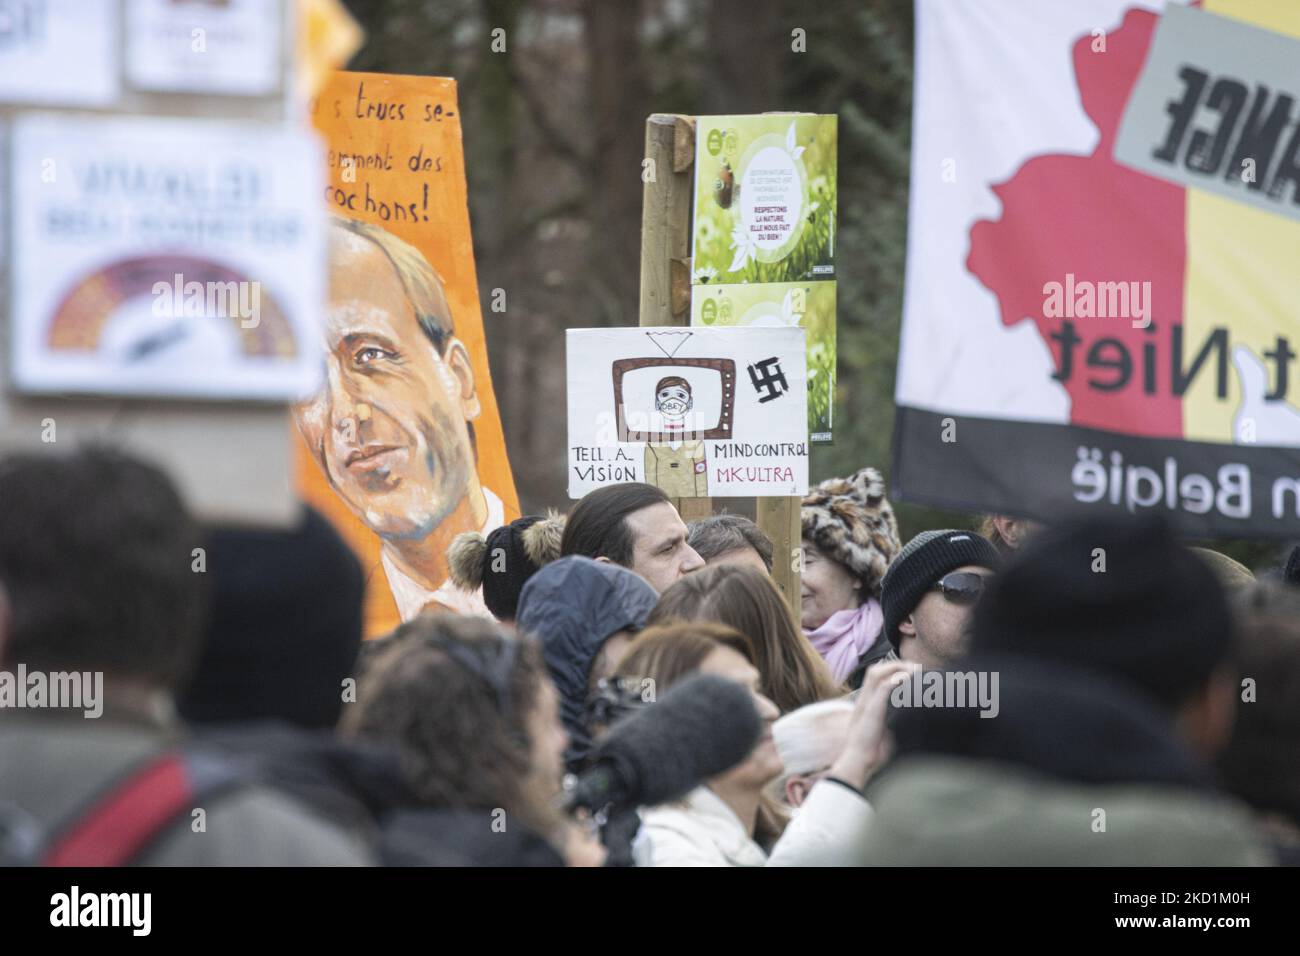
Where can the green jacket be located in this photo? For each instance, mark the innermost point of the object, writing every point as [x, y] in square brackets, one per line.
[55, 766]
[935, 810]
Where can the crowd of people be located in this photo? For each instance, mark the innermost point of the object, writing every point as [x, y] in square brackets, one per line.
[1083, 692]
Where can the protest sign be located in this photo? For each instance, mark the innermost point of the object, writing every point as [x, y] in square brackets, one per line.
[808, 305]
[404, 449]
[60, 52]
[765, 189]
[1101, 298]
[698, 412]
[194, 46]
[765, 199]
[165, 258]
[231, 460]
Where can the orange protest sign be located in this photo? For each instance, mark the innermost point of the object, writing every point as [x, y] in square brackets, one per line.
[403, 448]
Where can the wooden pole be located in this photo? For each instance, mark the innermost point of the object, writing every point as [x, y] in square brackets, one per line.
[666, 220]
[666, 239]
[666, 300]
[780, 520]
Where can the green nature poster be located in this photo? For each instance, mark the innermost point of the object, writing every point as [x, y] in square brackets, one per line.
[764, 198]
[808, 305]
[763, 239]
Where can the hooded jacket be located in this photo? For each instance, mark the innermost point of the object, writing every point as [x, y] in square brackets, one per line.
[572, 606]
[1074, 770]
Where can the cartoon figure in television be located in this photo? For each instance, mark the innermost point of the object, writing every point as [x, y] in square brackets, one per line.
[678, 467]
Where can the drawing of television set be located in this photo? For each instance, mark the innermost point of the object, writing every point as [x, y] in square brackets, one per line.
[674, 399]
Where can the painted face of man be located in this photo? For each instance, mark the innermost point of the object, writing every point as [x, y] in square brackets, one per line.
[389, 428]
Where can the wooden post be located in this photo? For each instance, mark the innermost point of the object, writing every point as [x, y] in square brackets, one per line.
[666, 300]
[780, 520]
[666, 220]
[666, 239]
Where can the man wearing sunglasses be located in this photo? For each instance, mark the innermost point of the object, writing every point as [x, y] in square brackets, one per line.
[930, 591]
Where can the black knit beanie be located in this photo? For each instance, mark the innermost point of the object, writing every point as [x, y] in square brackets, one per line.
[921, 563]
[1155, 617]
[285, 627]
[502, 561]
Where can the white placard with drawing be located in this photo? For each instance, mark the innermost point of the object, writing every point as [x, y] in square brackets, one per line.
[696, 411]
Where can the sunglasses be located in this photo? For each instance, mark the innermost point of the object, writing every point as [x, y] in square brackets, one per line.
[961, 587]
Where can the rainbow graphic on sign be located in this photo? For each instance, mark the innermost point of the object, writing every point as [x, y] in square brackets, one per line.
[195, 288]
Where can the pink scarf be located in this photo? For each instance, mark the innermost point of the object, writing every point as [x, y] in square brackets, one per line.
[846, 635]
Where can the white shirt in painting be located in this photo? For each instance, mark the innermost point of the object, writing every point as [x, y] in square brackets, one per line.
[410, 596]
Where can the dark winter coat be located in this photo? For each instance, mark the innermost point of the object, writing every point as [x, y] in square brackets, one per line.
[445, 837]
[352, 785]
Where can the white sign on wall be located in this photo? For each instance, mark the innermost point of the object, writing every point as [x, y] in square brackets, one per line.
[194, 46]
[698, 412]
[166, 257]
[59, 52]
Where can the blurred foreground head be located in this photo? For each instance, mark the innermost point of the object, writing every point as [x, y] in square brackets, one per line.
[97, 554]
[1115, 594]
[471, 712]
[284, 630]
[1119, 596]
[1261, 763]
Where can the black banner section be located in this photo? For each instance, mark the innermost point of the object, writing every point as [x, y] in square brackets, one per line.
[1044, 471]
